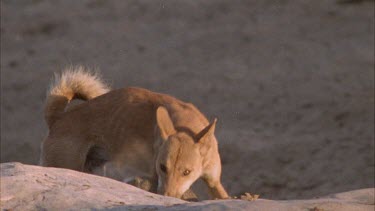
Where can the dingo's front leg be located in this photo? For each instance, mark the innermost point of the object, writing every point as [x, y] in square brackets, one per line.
[212, 178]
[216, 188]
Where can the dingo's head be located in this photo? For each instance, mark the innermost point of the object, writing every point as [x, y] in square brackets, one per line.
[179, 159]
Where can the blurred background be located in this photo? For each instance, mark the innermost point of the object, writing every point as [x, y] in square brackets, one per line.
[291, 82]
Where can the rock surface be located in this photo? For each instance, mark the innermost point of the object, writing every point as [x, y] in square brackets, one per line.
[26, 187]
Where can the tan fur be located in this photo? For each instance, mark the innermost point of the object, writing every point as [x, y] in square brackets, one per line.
[130, 132]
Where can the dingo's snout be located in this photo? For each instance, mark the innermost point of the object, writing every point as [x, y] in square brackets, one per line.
[172, 193]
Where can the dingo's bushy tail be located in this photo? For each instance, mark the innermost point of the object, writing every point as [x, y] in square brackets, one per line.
[72, 83]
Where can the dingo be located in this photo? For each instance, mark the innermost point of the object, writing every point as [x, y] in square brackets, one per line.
[129, 132]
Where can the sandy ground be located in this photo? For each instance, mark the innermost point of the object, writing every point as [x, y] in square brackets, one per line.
[291, 82]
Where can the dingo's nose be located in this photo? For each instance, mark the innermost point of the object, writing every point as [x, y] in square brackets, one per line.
[168, 193]
[172, 194]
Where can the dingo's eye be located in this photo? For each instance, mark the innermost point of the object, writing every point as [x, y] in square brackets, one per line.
[163, 168]
[186, 172]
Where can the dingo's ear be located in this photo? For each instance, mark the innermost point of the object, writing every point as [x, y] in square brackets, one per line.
[206, 132]
[165, 123]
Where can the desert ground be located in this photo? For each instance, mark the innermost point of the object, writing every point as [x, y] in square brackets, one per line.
[291, 82]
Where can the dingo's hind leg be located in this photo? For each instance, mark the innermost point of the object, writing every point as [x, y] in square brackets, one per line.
[96, 158]
[64, 153]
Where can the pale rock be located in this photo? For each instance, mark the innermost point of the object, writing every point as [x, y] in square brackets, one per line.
[27, 187]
